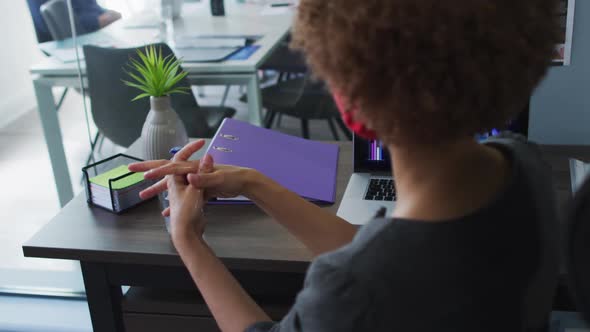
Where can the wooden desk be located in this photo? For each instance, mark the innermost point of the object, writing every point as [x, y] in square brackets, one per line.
[134, 249]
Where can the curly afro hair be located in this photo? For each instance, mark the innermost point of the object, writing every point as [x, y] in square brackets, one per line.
[422, 71]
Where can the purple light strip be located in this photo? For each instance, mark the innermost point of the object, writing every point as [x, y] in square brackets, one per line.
[376, 149]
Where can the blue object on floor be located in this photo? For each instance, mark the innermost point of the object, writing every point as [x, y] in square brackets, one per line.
[244, 53]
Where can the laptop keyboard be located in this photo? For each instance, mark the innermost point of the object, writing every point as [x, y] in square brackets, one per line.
[381, 190]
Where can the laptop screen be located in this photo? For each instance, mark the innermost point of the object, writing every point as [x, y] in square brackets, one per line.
[372, 156]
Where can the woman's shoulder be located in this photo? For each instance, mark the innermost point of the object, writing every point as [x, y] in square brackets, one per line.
[525, 154]
[532, 171]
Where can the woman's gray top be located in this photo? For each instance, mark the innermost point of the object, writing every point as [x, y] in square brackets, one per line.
[492, 270]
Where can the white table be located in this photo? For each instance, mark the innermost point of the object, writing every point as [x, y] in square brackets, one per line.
[240, 19]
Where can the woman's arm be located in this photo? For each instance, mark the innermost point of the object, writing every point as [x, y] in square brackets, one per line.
[318, 229]
[231, 306]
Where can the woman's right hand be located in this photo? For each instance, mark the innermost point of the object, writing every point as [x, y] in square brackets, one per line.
[223, 181]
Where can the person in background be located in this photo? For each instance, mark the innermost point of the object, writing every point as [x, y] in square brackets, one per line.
[90, 16]
[471, 244]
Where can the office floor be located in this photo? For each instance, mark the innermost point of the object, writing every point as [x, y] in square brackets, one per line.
[50, 315]
[28, 199]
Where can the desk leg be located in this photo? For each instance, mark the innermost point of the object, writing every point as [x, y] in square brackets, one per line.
[104, 299]
[254, 100]
[53, 138]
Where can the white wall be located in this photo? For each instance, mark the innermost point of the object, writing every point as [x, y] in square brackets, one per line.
[18, 54]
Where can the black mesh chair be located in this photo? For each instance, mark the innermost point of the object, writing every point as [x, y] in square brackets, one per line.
[305, 99]
[578, 249]
[286, 62]
[121, 120]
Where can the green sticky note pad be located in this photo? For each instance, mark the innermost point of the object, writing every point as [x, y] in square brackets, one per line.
[103, 179]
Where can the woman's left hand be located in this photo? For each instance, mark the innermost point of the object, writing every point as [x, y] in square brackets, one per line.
[187, 222]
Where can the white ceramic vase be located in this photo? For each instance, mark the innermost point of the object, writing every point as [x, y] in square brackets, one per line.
[162, 130]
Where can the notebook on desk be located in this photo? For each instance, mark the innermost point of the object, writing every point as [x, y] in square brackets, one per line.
[64, 50]
[305, 167]
[211, 48]
[205, 54]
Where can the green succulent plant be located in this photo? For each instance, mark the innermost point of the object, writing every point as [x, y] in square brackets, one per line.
[155, 75]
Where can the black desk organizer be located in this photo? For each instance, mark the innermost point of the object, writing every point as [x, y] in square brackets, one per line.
[105, 165]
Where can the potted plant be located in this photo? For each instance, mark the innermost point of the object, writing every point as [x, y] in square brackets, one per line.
[157, 77]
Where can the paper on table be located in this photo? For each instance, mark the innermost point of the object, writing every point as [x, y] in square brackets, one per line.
[145, 20]
[67, 54]
[204, 54]
[208, 42]
[103, 179]
[64, 49]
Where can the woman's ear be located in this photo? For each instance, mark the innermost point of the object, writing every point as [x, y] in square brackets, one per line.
[352, 117]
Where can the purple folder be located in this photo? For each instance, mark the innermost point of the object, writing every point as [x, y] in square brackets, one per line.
[305, 167]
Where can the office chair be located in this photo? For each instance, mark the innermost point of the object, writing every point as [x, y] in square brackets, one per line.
[285, 61]
[121, 120]
[56, 17]
[304, 99]
[578, 249]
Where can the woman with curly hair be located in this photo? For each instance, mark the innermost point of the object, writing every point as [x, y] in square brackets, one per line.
[471, 242]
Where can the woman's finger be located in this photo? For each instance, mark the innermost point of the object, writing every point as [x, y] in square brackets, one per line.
[166, 212]
[206, 180]
[173, 168]
[154, 189]
[147, 165]
[188, 150]
[206, 164]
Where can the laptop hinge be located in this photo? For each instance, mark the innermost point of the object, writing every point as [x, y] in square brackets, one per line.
[386, 174]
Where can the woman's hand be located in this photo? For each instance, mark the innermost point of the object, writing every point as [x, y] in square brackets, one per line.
[179, 165]
[187, 222]
[222, 181]
[217, 180]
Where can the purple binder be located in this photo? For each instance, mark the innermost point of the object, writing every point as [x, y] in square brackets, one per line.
[305, 167]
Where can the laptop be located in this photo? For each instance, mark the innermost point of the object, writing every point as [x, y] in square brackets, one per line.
[371, 187]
